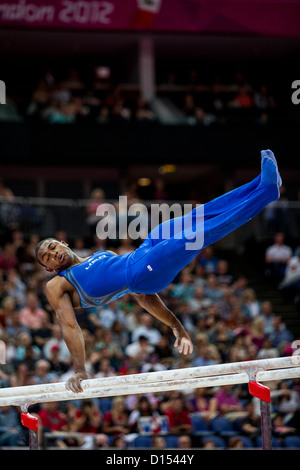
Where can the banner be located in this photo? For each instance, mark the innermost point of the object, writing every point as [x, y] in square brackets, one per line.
[256, 17]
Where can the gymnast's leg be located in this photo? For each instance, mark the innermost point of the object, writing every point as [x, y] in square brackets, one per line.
[164, 258]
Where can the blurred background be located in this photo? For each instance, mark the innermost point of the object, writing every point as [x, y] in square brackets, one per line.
[161, 101]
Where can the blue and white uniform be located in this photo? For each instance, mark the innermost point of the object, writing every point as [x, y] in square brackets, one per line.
[105, 277]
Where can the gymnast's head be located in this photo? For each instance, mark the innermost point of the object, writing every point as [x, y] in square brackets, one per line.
[54, 255]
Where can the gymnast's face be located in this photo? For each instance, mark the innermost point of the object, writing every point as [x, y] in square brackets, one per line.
[55, 255]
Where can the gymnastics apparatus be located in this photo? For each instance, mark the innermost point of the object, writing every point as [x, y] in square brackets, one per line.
[251, 372]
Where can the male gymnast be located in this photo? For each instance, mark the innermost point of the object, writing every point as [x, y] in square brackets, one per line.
[105, 276]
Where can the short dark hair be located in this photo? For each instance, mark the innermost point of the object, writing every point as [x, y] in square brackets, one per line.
[38, 246]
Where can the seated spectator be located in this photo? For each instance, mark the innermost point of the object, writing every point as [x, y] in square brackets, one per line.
[57, 366]
[115, 421]
[228, 401]
[21, 376]
[267, 351]
[208, 260]
[9, 426]
[42, 373]
[236, 443]
[110, 349]
[43, 334]
[8, 308]
[146, 329]
[213, 290]
[24, 348]
[144, 409]
[184, 442]
[104, 369]
[224, 277]
[250, 304]
[286, 400]
[199, 302]
[185, 287]
[118, 442]
[206, 356]
[153, 364]
[87, 418]
[280, 429]
[8, 258]
[251, 425]
[140, 350]
[266, 311]
[204, 402]
[280, 335]
[179, 417]
[51, 417]
[163, 349]
[291, 280]
[262, 99]
[57, 339]
[257, 332]
[277, 257]
[185, 315]
[158, 442]
[32, 315]
[15, 287]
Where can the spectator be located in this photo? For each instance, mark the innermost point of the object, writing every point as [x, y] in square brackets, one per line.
[184, 442]
[25, 350]
[280, 335]
[144, 409]
[236, 443]
[140, 350]
[115, 421]
[280, 429]
[251, 424]
[185, 287]
[42, 373]
[118, 442]
[208, 260]
[266, 311]
[51, 417]
[267, 351]
[204, 402]
[57, 366]
[87, 418]
[224, 277]
[8, 258]
[15, 287]
[7, 310]
[104, 369]
[57, 339]
[199, 302]
[9, 426]
[213, 290]
[32, 315]
[163, 349]
[257, 333]
[43, 334]
[146, 329]
[277, 257]
[158, 442]
[286, 400]
[21, 376]
[227, 401]
[250, 304]
[179, 417]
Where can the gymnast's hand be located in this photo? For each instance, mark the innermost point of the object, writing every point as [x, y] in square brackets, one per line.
[74, 383]
[183, 341]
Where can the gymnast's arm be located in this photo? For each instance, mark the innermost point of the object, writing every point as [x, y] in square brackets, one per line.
[153, 304]
[71, 331]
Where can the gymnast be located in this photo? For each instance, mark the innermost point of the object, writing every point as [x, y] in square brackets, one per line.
[105, 276]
